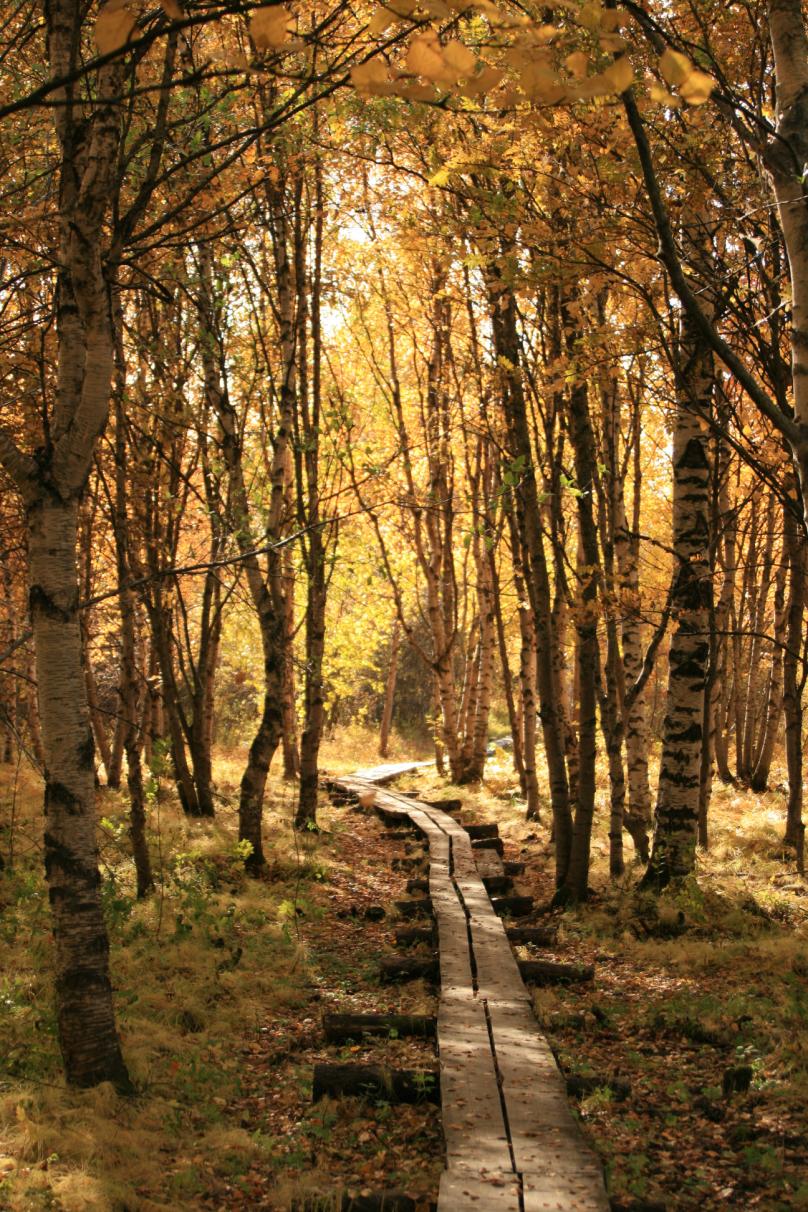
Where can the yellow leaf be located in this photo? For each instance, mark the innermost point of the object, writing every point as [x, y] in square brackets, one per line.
[460, 58]
[612, 42]
[697, 87]
[545, 33]
[113, 27]
[591, 16]
[381, 20]
[441, 177]
[675, 68]
[620, 75]
[366, 77]
[541, 84]
[578, 64]
[487, 80]
[611, 20]
[417, 92]
[663, 97]
[270, 26]
[424, 58]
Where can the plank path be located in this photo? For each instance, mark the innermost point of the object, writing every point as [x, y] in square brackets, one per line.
[512, 1142]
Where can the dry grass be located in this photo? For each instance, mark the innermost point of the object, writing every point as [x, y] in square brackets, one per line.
[709, 975]
[213, 965]
[198, 970]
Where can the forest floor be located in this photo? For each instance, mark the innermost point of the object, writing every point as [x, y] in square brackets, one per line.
[221, 983]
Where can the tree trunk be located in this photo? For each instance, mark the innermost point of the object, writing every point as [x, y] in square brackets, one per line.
[528, 520]
[774, 701]
[129, 691]
[291, 752]
[677, 809]
[389, 691]
[626, 546]
[575, 886]
[795, 549]
[84, 1014]
[306, 815]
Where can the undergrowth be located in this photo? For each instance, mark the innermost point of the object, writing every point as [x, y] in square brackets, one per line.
[199, 969]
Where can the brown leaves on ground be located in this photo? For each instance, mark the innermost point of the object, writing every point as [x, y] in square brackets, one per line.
[345, 1144]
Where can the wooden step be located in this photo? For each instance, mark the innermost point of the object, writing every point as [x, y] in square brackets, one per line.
[415, 908]
[375, 1082]
[496, 885]
[417, 936]
[513, 867]
[489, 843]
[450, 806]
[396, 969]
[547, 972]
[361, 1201]
[481, 832]
[515, 906]
[418, 885]
[537, 936]
[338, 1028]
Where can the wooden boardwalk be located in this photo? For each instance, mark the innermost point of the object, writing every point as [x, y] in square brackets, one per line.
[512, 1142]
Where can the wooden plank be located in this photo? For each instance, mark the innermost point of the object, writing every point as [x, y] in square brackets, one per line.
[389, 771]
[473, 1123]
[489, 864]
[564, 1192]
[464, 1191]
[546, 1140]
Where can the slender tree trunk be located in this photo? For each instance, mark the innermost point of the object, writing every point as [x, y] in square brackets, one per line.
[626, 545]
[314, 699]
[575, 887]
[795, 548]
[774, 702]
[389, 691]
[291, 752]
[677, 809]
[514, 717]
[129, 689]
[528, 519]
[84, 1014]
